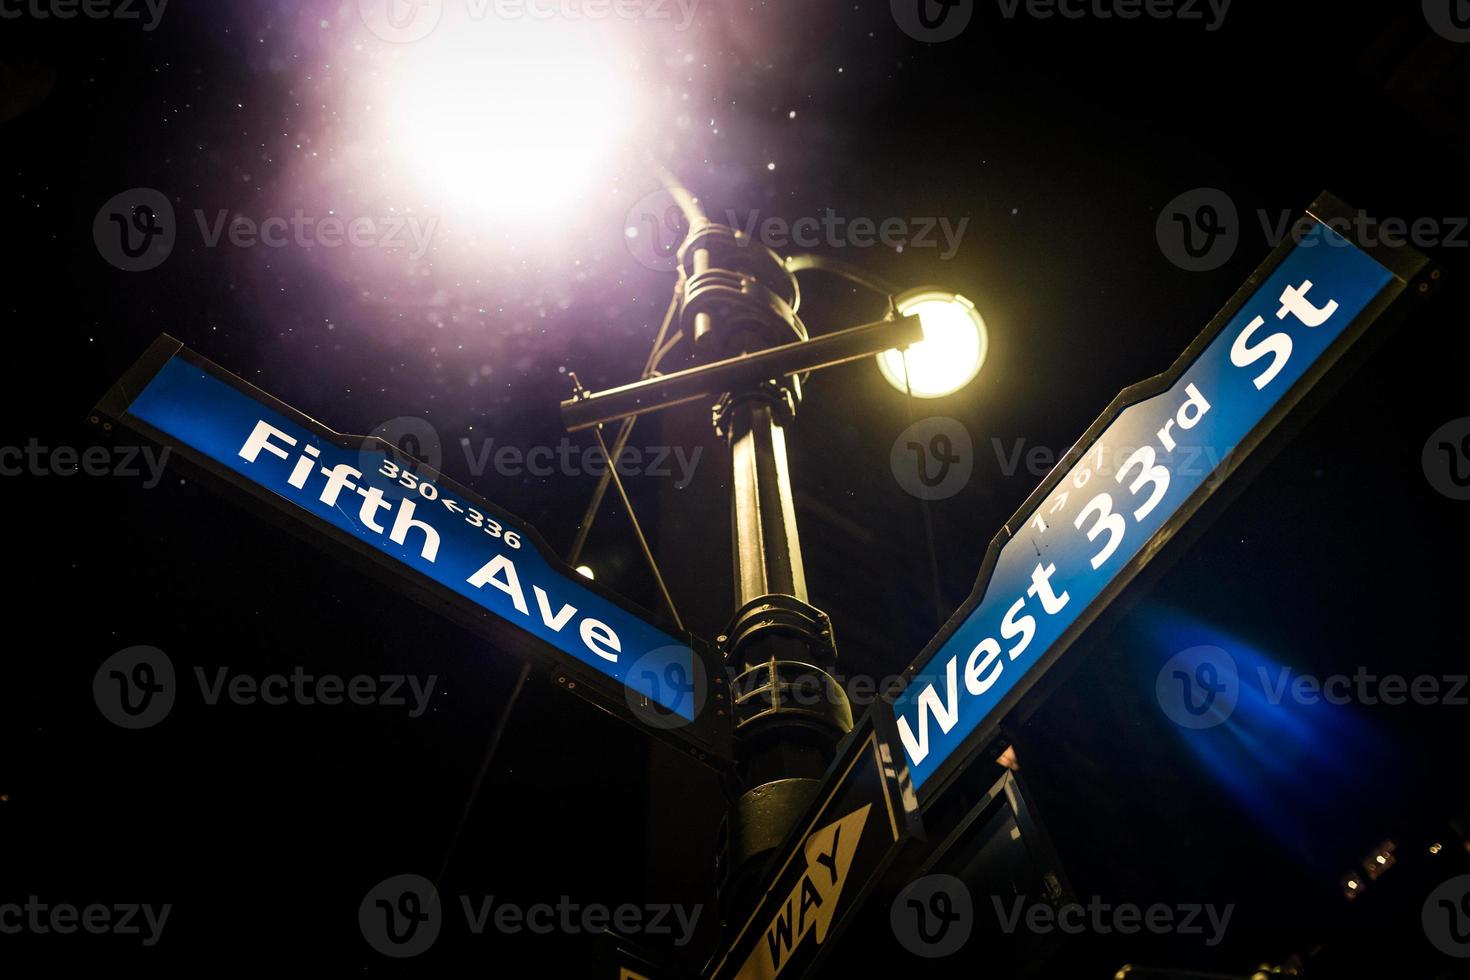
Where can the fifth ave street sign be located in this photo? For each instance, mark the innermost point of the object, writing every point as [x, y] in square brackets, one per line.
[429, 536]
[1137, 475]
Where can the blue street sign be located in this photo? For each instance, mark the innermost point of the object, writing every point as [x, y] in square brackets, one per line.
[426, 529]
[1136, 476]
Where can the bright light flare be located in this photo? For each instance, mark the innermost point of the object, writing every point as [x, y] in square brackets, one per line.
[511, 118]
[952, 351]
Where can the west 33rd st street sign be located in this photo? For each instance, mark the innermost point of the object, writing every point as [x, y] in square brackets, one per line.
[1129, 484]
[1136, 476]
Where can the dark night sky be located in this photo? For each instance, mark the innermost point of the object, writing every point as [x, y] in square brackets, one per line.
[1059, 141]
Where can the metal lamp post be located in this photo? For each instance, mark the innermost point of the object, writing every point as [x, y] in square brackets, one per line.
[738, 305]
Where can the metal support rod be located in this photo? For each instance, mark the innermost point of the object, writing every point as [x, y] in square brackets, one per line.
[766, 546]
[662, 344]
[687, 202]
[625, 430]
[617, 483]
[846, 270]
[740, 373]
[480, 774]
[781, 646]
[934, 582]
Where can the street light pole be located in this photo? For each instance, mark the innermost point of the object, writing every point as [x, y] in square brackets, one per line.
[738, 305]
[767, 547]
[788, 712]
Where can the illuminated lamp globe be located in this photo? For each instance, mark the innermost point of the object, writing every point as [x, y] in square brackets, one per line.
[952, 351]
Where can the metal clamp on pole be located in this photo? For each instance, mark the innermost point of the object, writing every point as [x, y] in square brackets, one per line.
[740, 295]
[707, 381]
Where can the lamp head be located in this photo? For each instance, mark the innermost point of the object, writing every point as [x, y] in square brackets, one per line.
[952, 351]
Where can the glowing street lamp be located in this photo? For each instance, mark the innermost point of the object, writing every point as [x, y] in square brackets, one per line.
[952, 351]
[510, 121]
[737, 302]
